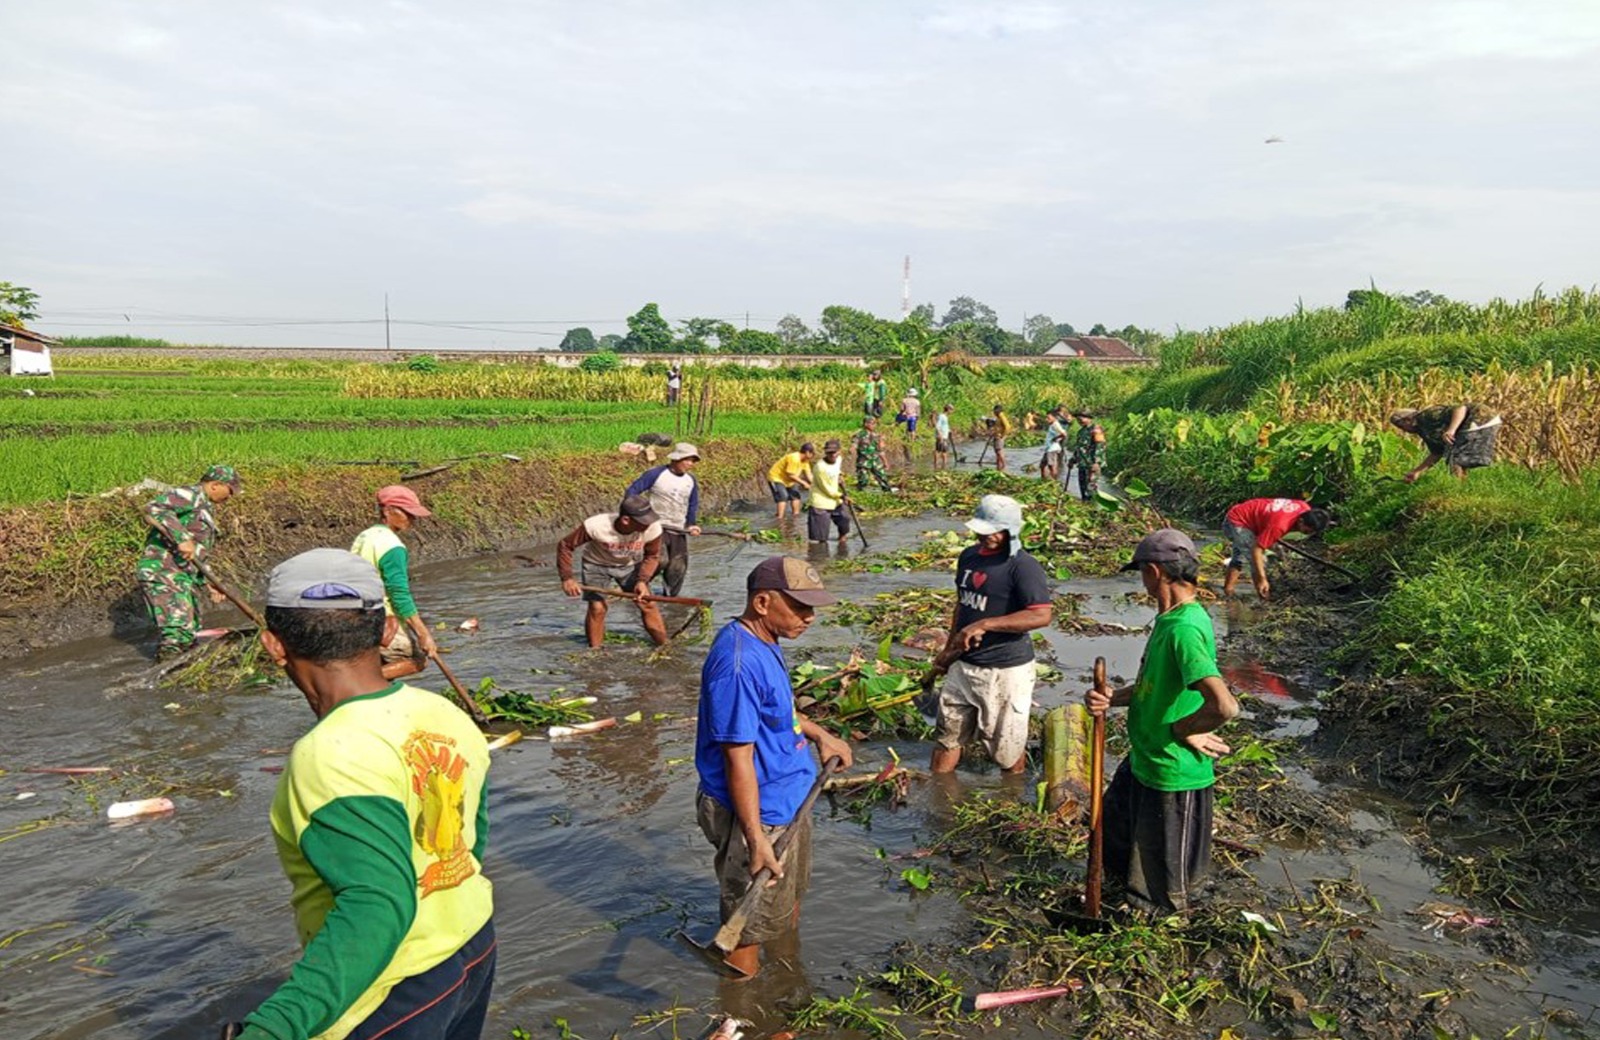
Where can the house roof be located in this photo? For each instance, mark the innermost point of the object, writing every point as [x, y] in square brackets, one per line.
[26, 335]
[1092, 346]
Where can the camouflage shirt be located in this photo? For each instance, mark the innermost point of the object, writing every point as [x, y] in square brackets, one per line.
[866, 447]
[1086, 451]
[184, 513]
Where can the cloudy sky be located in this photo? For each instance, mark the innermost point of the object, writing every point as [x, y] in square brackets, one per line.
[212, 171]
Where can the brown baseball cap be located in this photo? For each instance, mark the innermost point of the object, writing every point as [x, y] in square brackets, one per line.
[795, 578]
[637, 507]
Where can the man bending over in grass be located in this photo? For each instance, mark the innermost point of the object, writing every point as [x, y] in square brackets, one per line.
[1158, 807]
[1255, 526]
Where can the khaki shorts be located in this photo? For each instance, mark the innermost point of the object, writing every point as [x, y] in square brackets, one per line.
[400, 648]
[775, 916]
[987, 704]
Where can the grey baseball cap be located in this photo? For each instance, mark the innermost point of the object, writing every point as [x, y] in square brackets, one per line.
[1168, 545]
[325, 579]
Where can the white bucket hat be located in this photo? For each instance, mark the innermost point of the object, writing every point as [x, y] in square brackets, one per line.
[999, 513]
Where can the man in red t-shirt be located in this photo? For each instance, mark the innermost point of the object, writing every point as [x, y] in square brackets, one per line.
[1255, 526]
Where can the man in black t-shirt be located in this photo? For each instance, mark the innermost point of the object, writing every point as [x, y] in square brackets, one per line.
[1002, 594]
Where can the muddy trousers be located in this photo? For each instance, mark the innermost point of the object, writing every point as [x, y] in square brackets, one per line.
[675, 549]
[174, 604]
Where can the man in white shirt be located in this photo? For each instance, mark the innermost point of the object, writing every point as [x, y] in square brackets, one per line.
[674, 494]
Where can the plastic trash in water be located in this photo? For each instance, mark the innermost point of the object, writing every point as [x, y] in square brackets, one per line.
[141, 807]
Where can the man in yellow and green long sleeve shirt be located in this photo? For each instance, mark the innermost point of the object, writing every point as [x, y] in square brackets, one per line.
[380, 820]
[407, 645]
[182, 532]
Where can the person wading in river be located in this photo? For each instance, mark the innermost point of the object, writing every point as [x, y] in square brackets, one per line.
[406, 650]
[1002, 594]
[1088, 454]
[751, 751]
[1158, 806]
[1257, 525]
[1464, 435]
[999, 429]
[790, 478]
[1055, 441]
[178, 544]
[828, 496]
[381, 819]
[621, 549]
[869, 456]
[943, 438]
[674, 494]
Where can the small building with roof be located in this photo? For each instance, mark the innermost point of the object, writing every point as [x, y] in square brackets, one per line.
[1093, 348]
[24, 352]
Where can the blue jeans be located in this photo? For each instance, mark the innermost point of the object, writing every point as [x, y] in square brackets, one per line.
[446, 1002]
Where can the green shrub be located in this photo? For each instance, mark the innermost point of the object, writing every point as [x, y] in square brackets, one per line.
[425, 363]
[604, 361]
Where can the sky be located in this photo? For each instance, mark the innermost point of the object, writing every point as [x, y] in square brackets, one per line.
[266, 173]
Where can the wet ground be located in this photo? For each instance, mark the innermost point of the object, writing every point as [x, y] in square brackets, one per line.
[164, 927]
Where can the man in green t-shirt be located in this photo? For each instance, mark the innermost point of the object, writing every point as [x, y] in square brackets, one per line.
[381, 820]
[1158, 807]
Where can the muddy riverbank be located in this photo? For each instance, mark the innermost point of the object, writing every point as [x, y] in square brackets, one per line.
[163, 927]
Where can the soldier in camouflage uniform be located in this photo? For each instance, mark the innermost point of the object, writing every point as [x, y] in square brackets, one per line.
[1088, 454]
[869, 456]
[182, 531]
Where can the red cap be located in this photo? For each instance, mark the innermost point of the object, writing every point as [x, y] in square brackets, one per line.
[403, 499]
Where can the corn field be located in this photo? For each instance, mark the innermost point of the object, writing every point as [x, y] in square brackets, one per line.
[1549, 418]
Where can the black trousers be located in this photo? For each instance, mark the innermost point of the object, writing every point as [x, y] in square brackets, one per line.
[1157, 843]
[675, 548]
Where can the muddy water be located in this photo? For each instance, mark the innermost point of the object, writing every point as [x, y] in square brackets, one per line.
[163, 927]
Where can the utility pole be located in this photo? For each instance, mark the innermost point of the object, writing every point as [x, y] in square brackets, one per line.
[905, 291]
[386, 321]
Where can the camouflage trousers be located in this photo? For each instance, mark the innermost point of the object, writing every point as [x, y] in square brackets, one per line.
[173, 601]
[873, 468]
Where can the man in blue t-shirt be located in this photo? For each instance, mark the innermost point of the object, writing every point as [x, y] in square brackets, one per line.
[751, 751]
[1002, 594]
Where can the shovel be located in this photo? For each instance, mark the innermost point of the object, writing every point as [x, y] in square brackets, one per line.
[729, 935]
[1352, 575]
[857, 518]
[1090, 920]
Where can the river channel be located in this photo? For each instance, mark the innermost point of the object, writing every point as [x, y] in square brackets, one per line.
[164, 927]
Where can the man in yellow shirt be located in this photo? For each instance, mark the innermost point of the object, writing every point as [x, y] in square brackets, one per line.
[407, 649]
[999, 429]
[790, 478]
[828, 496]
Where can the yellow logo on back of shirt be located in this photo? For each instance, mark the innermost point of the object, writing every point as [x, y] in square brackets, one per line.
[438, 778]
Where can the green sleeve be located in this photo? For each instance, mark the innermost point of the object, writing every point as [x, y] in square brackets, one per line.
[361, 847]
[1195, 659]
[392, 566]
[481, 846]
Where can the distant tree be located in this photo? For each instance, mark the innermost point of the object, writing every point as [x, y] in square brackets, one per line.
[754, 341]
[610, 341]
[922, 312]
[18, 304]
[794, 335]
[965, 308]
[1424, 298]
[990, 340]
[695, 334]
[648, 332]
[851, 331]
[1040, 330]
[578, 340]
[1064, 328]
[1098, 330]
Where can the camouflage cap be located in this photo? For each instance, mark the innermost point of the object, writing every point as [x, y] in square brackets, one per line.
[222, 474]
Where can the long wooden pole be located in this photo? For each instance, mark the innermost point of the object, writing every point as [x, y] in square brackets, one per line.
[467, 700]
[232, 596]
[1097, 779]
[687, 601]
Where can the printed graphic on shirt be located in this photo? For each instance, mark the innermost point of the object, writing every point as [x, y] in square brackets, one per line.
[438, 778]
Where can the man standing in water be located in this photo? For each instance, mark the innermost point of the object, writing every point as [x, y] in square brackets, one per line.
[999, 430]
[1055, 440]
[943, 440]
[381, 820]
[869, 456]
[1002, 594]
[621, 549]
[828, 496]
[178, 544]
[752, 754]
[674, 494]
[1088, 454]
[408, 647]
[1158, 807]
[790, 477]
